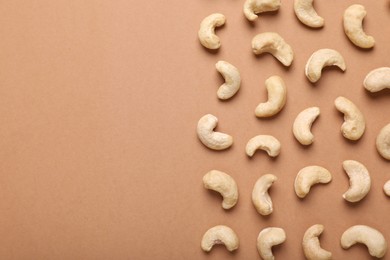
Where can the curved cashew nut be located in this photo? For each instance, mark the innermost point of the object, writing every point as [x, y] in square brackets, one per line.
[386, 188]
[254, 7]
[206, 33]
[305, 12]
[232, 80]
[211, 139]
[311, 244]
[383, 142]
[359, 179]
[267, 143]
[277, 95]
[320, 59]
[224, 184]
[354, 122]
[260, 197]
[274, 44]
[377, 79]
[220, 235]
[309, 176]
[302, 125]
[268, 238]
[372, 238]
[353, 26]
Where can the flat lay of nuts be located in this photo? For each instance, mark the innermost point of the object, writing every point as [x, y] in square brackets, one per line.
[386, 188]
[211, 139]
[224, 184]
[311, 244]
[269, 237]
[232, 80]
[220, 235]
[260, 197]
[267, 143]
[383, 142]
[359, 179]
[354, 122]
[277, 96]
[206, 34]
[377, 79]
[309, 176]
[254, 7]
[302, 125]
[306, 13]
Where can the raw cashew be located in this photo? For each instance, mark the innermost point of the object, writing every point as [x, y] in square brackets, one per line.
[377, 79]
[220, 235]
[302, 125]
[386, 188]
[206, 32]
[260, 197]
[267, 143]
[274, 44]
[254, 7]
[309, 176]
[224, 184]
[383, 142]
[354, 122]
[353, 26]
[320, 59]
[306, 14]
[311, 244]
[372, 238]
[359, 179]
[268, 238]
[232, 80]
[277, 95]
[211, 139]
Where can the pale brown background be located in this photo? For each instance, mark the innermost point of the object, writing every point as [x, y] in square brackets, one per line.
[99, 102]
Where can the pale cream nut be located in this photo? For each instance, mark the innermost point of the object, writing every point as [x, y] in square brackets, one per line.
[232, 80]
[269, 237]
[359, 179]
[386, 188]
[254, 7]
[211, 139]
[206, 33]
[354, 122]
[220, 235]
[277, 96]
[377, 79]
[224, 184]
[309, 176]
[320, 59]
[267, 143]
[306, 13]
[302, 125]
[383, 142]
[260, 197]
[311, 244]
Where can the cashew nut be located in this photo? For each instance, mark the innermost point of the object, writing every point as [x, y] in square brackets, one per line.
[260, 197]
[309, 176]
[372, 238]
[232, 80]
[220, 235]
[353, 26]
[305, 12]
[277, 95]
[274, 44]
[302, 125]
[268, 238]
[211, 139]
[354, 122]
[383, 142]
[377, 79]
[267, 143]
[254, 7]
[311, 244]
[224, 184]
[320, 59]
[206, 32]
[359, 179]
[386, 188]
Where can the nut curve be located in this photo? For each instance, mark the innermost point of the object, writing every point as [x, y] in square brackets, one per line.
[377, 79]
[302, 125]
[232, 80]
[267, 238]
[277, 96]
[206, 33]
[354, 123]
[311, 244]
[224, 184]
[308, 177]
[306, 13]
[386, 188]
[211, 139]
[359, 179]
[267, 143]
[383, 142]
[220, 235]
[260, 197]
[254, 7]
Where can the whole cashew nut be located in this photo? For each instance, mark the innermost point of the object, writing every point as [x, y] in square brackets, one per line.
[269, 237]
[211, 139]
[302, 125]
[254, 7]
[260, 197]
[372, 238]
[206, 33]
[359, 179]
[309, 176]
[305, 12]
[383, 142]
[311, 244]
[353, 26]
[267, 143]
[232, 80]
[377, 79]
[320, 59]
[274, 44]
[220, 235]
[277, 95]
[386, 188]
[224, 184]
[354, 122]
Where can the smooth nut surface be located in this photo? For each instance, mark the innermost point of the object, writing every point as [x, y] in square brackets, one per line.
[377, 79]
[267, 143]
[211, 139]
[268, 238]
[277, 96]
[260, 197]
[359, 181]
[311, 244]
[254, 7]
[206, 33]
[386, 188]
[306, 13]
[383, 142]
[232, 80]
[308, 177]
[224, 184]
[354, 122]
[220, 235]
[302, 125]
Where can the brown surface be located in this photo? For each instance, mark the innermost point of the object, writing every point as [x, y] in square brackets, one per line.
[99, 105]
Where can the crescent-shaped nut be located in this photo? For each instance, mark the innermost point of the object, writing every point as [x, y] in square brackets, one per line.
[260, 197]
[309, 176]
[220, 235]
[302, 125]
[305, 12]
[232, 80]
[386, 188]
[211, 139]
[254, 7]
[274, 44]
[224, 184]
[277, 96]
[354, 122]
[383, 142]
[377, 79]
[311, 244]
[267, 143]
[359, 179]
[353, 26]
[206, 33]
[269, 237]
[320, 59]
[372, 238]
